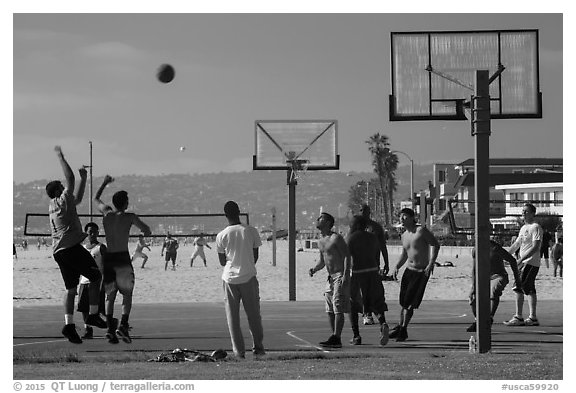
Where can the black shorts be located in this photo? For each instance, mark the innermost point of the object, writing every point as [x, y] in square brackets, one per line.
[84, 299]
[170, 256]
[528, 280]
[367, 293]
[544, 252]
[412, 289]
[76, 261]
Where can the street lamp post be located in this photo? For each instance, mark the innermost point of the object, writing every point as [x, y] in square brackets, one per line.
[411, 173]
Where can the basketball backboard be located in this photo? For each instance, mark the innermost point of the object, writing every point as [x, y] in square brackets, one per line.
[278, 143]
[433, 73]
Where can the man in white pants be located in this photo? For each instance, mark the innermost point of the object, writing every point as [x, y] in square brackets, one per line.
[199, 244]
[237, 247]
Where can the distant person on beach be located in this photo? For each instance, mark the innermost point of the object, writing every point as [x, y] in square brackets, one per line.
[416, 243]
[138, 252]
[376, 229]
[97, 250]
[366, 283]
[199, 244]
[67, 237]
[335, 256]
[14, 253]
[237, 246]
[545, 248]
[557, 255]
[498, 279]
[118, 269]
[171, 246]
[528, 243]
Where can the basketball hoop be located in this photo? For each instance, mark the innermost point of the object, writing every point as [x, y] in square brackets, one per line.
[298, 168]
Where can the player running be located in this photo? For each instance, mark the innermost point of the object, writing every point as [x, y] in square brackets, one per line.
[141, 245]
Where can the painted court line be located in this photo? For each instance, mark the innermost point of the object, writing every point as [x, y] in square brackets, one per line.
[309, 344]
[39, 342]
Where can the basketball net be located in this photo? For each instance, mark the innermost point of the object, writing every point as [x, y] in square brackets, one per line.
[299, 168]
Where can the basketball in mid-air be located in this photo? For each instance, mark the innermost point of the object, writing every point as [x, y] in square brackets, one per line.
[165, 73]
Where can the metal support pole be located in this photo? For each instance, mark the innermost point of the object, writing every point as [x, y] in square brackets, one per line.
[90, 184]
[412, 182]
[423, 208]
[273, 236]
[291, 236]
[481, 131]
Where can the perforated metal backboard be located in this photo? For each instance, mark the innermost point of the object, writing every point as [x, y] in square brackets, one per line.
[279, 142]
[433, 73]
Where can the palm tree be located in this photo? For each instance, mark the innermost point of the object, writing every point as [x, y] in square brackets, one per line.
[385, 164]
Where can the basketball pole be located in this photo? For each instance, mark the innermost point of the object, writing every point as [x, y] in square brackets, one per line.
[291, 180]
[480, 119]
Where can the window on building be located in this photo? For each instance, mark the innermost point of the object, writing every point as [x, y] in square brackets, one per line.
[558, 197]
[442, 176]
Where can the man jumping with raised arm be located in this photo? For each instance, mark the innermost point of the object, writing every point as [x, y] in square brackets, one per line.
[416, 243]
[72, 258]
[118, 269]
[335, 256]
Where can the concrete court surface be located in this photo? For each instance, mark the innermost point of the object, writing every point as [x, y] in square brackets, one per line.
[288, 327]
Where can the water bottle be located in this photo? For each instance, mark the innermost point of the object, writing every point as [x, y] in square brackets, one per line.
[472, 344]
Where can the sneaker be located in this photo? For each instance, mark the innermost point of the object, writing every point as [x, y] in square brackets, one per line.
[96, 320]
[332, 342]
[111, 333]
[258, 352]
[515, 321]
[402, 334]
[89, 333]
[69, 331]
[356, 340]
[394, 331]
[368, 320]
[122, 331]
[531, 322]
[471, 328]
[384, 334]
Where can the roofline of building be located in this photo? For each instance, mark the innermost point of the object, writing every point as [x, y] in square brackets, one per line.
[529, 185]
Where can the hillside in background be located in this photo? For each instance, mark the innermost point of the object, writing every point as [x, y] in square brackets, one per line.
[256, 192]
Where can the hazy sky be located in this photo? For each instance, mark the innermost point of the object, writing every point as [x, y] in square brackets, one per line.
[91, 77]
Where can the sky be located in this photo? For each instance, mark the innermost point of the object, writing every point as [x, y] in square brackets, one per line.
[91, 77]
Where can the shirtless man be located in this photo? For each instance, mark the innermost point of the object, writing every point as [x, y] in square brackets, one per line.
[335, 256]
[118, 269]
[141, 245]
[416, 243]
[199, 244]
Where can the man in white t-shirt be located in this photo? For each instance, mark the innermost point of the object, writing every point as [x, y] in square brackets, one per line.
[528, 242]
[237, 247]
[199, 244]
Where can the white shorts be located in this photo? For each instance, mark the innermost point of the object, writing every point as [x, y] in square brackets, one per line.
[199, 252]
[139, 254]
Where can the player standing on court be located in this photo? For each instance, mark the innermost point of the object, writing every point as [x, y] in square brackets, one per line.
[171, 246]
[67, 237]
[376, 229]
[335, 256]
[237, 246]
[97, 250]
[118, 269]
[366, 283]
[528, 243]
[416, 243]
[199, 244]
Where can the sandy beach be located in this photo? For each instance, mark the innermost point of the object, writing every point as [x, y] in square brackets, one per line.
[37, 280]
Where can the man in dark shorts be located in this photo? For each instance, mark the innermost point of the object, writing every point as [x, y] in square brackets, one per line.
[97, 250]
[171, 247]
[335, 256]
[118, 269]
[376, 229]
[416, 243]
[366, 283]
[528, 242]
[558, 256]
[498, 279]
[545, 248]
[72, 258]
